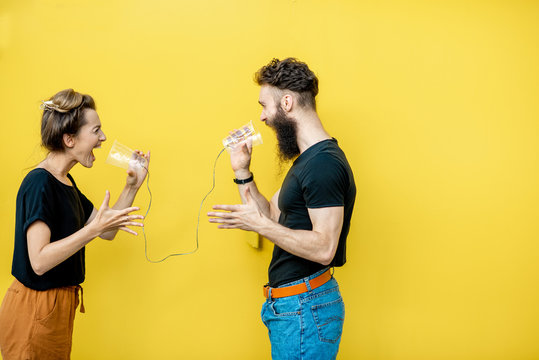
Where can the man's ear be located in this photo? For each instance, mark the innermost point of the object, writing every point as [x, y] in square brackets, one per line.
[69, 140]
[287, 102]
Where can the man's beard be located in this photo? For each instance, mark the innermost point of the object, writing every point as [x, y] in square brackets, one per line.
[286, 131]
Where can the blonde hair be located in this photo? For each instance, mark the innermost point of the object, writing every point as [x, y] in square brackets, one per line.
[63, 114]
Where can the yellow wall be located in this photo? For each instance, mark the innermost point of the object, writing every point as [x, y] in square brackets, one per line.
[435, 104]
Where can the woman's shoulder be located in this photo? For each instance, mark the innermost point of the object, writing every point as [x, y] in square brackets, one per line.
[38, 178]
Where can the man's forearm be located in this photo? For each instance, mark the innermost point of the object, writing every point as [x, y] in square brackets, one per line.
[307, 244]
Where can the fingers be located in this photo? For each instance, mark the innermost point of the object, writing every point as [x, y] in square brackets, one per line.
[229, 227]
[227, 207]
[134, 217]
[142, 155]
[229, 223]
[249, 146]
[224, 221]
[106, 200]
[128, 230]
[129, 219]
[246, 146]
[222, 215]
[126, 211]
[132, 223]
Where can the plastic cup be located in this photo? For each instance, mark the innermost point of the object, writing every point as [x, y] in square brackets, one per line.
[122, 156]
[241, 135]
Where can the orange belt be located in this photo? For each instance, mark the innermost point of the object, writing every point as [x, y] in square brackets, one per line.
[299, 288]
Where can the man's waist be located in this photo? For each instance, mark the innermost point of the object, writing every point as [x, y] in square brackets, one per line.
[299, 286]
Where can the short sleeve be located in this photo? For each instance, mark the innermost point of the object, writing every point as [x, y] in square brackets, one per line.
[37, 205]
[324, 182]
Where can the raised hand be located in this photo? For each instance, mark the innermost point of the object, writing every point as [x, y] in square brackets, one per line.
[108, 219]
[240, 158]
[138, 169]
[246, 216]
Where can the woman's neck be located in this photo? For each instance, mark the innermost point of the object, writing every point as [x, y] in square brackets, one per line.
[59, 165]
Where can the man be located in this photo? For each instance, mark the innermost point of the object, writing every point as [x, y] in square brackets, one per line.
[307, 219]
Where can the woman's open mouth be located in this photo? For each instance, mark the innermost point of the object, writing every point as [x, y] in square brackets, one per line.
[92, 155]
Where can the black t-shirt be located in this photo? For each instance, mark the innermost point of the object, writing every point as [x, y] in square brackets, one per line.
[65, 210]
[320, 177]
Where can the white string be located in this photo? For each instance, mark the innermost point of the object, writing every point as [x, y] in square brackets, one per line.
[198, 221]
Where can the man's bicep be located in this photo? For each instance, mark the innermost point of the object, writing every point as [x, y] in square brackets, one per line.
[328, 221]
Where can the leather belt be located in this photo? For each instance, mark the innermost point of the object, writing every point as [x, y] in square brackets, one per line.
[281, 292]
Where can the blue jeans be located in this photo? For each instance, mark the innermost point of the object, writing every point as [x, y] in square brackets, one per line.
[305, 326]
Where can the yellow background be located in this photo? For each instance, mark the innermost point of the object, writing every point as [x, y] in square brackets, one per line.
[434, 103]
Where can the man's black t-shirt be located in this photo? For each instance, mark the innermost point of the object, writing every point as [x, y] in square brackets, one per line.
[65, 210]
[320, 177]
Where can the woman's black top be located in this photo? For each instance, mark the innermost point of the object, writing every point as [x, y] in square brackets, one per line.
[65, 210]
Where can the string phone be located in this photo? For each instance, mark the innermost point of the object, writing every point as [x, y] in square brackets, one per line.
[122, 156]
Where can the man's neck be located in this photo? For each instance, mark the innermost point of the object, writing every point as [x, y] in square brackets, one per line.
[309, 130]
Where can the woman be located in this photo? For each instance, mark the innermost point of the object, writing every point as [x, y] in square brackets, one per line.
[54, 222]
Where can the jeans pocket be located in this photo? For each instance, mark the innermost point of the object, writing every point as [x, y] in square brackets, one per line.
[329, 320]
[288, 306]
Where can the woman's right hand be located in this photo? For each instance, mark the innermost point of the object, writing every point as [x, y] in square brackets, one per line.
[108, 219]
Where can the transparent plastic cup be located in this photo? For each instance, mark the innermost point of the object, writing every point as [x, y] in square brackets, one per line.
[122, 156]
[241, 135]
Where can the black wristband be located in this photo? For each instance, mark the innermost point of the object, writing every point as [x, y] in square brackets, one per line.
[244, 181]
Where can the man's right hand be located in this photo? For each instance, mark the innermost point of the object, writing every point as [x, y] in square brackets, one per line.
[240, 159]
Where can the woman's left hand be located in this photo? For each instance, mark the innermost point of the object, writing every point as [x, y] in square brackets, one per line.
[138, 169]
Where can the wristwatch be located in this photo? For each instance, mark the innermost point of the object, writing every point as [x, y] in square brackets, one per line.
[244, 181]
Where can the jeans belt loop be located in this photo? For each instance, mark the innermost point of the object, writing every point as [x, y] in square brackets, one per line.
[307, 282]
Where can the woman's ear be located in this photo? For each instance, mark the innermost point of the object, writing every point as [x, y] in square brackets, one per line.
[69, 140]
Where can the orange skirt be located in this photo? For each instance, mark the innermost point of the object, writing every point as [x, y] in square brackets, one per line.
[37, 324]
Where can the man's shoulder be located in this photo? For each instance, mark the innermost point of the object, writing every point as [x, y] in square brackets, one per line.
[328, 157]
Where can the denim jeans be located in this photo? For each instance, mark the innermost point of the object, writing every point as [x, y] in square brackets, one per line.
[305, 326]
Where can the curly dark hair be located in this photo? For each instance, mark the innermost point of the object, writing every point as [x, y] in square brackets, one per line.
[290, 74]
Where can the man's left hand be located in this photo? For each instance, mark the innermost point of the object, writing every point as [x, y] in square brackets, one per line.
[246, 216]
